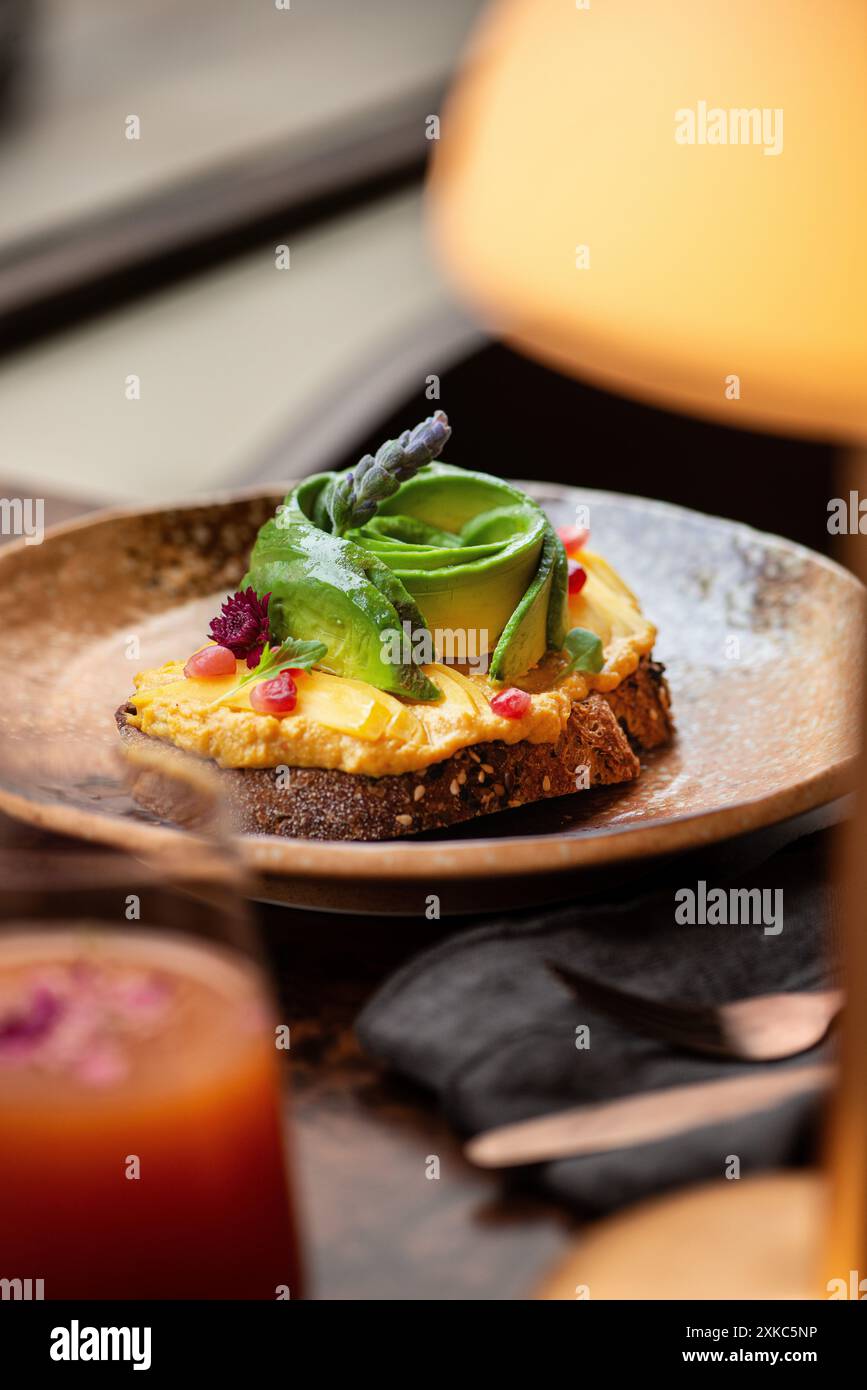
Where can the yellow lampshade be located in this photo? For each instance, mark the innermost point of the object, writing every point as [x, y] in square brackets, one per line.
[670, 199]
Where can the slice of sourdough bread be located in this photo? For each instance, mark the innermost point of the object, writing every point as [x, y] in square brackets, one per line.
[597, 748]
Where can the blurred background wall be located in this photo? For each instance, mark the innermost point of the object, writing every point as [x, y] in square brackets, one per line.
[155, 258]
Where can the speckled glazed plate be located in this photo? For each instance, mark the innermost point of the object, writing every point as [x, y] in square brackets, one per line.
[760, 638]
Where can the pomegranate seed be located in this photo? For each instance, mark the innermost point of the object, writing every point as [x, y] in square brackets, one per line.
[211, 661]
[276, 696]
[511, 703]
[574, 538]
[577, 577]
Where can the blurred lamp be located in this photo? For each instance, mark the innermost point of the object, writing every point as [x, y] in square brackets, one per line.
[662, 197]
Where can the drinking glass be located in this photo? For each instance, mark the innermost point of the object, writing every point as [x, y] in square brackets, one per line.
[141, 1146]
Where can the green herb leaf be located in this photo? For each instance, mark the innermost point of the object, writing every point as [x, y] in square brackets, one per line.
[291, 653]
[585, 651]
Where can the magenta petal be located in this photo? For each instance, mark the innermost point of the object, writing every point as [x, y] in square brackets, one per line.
[43, 1011]
[243, 625]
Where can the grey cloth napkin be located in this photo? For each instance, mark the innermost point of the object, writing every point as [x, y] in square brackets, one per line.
[483, 1021]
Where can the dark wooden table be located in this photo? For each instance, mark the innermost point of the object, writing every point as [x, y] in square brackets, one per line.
[375, 1225]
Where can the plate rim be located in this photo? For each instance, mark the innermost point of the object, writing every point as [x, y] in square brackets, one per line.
[412, 859]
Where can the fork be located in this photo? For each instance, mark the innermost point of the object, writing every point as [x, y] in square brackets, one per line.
[762, 1029]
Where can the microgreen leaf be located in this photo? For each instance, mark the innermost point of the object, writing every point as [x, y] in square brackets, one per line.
[585, 651]
[292, 652]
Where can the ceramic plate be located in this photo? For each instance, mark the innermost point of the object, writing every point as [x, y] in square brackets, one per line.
[759, 636]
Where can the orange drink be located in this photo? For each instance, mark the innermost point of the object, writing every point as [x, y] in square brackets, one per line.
[140, 1138]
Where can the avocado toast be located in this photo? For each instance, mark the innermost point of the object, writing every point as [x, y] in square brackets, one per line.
[413, 645]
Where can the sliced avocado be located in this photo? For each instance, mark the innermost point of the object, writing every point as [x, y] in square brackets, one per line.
[407, 530]
[539, 621]
[330, 590]
[509, 575]
[558, 602]
[449, 550]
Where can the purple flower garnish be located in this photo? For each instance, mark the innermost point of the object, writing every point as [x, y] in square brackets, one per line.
[243, 626]
[31, 1027]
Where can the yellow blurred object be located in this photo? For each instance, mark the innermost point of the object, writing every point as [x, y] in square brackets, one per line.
[757, 1239]
[573, 212]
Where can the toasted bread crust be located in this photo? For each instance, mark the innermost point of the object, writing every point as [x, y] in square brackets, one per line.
[642, 704]
[325, 804]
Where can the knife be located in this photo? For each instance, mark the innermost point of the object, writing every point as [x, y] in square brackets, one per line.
[641, 1119]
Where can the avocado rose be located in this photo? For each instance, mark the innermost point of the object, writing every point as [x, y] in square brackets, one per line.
[403, 544]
